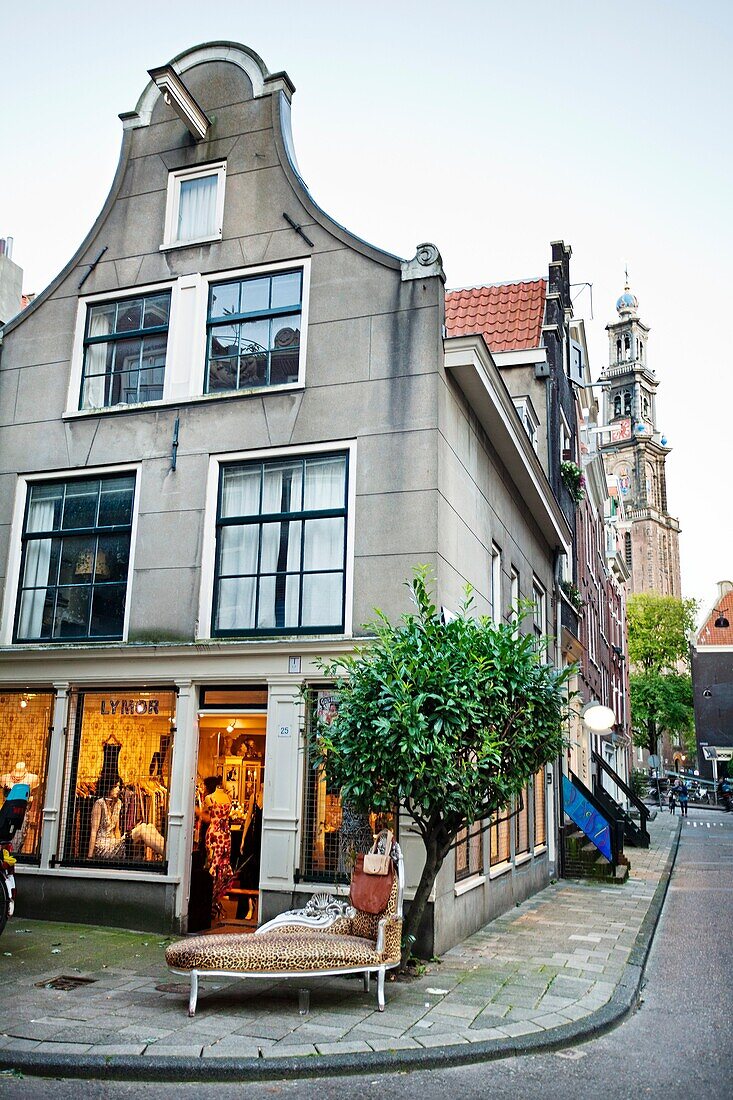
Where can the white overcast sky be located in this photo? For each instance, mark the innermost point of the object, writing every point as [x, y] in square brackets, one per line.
[489, 128]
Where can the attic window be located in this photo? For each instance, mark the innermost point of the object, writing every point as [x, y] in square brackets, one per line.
[195, 205]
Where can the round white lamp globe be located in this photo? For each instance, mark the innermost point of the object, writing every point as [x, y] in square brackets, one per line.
[599, 718]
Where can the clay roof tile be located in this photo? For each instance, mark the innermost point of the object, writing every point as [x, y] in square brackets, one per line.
[509, 315]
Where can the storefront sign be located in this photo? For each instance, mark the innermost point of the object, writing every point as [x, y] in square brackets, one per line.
[129, 706]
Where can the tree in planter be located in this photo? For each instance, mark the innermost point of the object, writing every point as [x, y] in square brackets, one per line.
[448, 720]
[660, 683]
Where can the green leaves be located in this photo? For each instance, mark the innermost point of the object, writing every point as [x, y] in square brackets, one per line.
[661, 694]
[452, 718]
[658, 630]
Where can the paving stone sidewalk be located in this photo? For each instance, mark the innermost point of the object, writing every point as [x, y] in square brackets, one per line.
[556, 958]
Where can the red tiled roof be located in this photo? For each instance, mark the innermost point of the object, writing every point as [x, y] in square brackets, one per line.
[716, 635]
[509, 315]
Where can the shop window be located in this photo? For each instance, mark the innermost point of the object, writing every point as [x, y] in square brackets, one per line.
[253, 333]
[75, 556]
[117, 779]
[499, 834]
[25, 726]
[125, 346]
[469, 851]
[331, 833]
[521, 823]
[540, 809]
[281, 547]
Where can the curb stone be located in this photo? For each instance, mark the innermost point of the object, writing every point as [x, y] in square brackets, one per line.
[623, 1002]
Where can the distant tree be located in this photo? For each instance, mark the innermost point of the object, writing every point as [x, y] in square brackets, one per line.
[661, 702]
[448, 720]
[660, 682]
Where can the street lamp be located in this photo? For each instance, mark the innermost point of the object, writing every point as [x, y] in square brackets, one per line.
[721, 622]
[598, 718]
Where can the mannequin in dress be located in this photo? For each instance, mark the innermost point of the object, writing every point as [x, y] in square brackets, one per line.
[105, 839]
[215, 813]
[20, 774]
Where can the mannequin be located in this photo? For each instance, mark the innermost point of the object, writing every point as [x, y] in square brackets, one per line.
[215, 814]
[20, 774]
[105, 839]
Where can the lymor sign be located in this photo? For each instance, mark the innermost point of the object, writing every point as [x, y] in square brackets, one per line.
[128, 706]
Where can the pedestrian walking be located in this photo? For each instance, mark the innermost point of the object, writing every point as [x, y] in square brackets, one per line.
[683, 795]
[672, 800]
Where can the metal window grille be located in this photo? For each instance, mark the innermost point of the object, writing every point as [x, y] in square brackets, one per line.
[499, 833]
[25, 729]
[469, 851]
[281, 546]
[329, 831]
[75, 556]
[627, 548]
[125, 346]
[253, 332]
[521, 825]
[120, 740]
[540, 809]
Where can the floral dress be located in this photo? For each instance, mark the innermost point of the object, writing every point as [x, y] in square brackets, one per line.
[219, 851]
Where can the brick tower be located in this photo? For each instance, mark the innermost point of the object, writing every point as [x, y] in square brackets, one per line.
[635, 455]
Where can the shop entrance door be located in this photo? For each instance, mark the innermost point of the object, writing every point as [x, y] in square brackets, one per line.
[225, 862]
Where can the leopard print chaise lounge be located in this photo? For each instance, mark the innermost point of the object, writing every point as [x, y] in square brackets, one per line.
[356, 943]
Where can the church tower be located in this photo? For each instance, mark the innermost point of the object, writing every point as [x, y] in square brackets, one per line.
[635, 455]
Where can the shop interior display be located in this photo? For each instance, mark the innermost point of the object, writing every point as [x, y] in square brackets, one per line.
[119, 775]
[25, 721]
[225, 864]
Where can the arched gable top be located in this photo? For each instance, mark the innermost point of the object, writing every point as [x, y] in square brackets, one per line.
[233, 52]
[280, 88]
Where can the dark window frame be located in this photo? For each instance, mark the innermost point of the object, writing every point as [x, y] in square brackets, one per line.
[114, 338]
[280, 517]
[73, 532]
[471, 854]
[240, 317]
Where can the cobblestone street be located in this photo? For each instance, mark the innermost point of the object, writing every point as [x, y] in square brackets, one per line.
[554, 959]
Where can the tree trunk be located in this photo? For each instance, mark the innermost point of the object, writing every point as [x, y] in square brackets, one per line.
[651, 735]
[434, 856]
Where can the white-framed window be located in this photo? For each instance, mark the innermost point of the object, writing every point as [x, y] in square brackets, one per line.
[495, 584]
[278, 542]
[529, 418]
[71, 556]
[125, 348]
[514, 599]
[157, 343]
[566, 439]
[195, 205]
[253, 331]
[539, 612]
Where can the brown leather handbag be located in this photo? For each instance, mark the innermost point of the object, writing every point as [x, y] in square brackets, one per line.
[370, 892]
